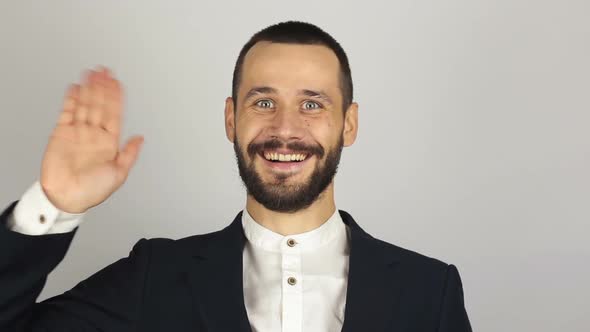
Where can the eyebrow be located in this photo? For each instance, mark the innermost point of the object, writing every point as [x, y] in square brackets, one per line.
[259, 90]
[306, 92]
[316, 94]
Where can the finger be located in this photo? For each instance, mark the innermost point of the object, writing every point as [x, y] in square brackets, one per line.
[71, 98]
[127, 156]
[81, 110]
[69, 105]
[113, 106]
[96, 107]
[104, 70]
[65, 118]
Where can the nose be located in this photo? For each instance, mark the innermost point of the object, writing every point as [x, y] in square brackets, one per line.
[287, 124]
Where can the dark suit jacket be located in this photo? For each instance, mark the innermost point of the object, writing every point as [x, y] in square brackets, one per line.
[195, 284]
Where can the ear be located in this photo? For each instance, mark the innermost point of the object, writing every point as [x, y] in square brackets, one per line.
[350, 124]
[229, 119]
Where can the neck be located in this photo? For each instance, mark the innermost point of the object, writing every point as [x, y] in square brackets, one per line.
[298, 222]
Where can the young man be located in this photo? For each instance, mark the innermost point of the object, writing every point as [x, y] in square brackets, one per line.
[290, 261]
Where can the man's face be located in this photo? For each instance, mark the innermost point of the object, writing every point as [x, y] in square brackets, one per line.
[288, 127]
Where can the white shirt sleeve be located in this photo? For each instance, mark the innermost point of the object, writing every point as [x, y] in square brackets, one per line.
[34, 214]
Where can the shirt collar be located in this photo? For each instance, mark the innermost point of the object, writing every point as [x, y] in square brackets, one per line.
[262, 237]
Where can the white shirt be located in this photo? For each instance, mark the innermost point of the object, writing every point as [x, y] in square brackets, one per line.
[292, 283]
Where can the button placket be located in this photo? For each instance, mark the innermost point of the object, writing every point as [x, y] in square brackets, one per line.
[291, 267]
[291, 261]
[292, 313]
[292, 306]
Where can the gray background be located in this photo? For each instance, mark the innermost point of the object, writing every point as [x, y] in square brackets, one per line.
[473, 144]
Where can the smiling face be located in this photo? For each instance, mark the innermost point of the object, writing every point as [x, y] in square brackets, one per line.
[289, 126]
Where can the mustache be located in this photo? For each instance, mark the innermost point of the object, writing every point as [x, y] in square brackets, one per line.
[298, 147]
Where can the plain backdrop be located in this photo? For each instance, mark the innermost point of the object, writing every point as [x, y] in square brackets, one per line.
[473, 144]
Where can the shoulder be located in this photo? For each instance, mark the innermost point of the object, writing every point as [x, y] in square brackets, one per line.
[413, 258]
[167, 259]
[408, 258]
[190, 244]
[425, 279]
[427, 273]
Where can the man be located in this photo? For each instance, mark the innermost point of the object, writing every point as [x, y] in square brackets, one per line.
[290, 261]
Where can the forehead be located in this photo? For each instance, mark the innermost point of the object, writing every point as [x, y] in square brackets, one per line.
[290, 67]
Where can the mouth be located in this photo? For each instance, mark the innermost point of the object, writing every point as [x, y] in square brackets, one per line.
[285, 160]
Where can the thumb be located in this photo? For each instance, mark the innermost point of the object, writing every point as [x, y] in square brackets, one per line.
[128, 155]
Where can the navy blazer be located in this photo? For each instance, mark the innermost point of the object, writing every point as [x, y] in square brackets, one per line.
[195, 284]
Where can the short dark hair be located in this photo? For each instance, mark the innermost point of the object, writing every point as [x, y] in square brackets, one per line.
[296, 32]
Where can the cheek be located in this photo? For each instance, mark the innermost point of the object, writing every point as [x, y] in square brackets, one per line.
[326, 132]
[246, 135]
[246, 131]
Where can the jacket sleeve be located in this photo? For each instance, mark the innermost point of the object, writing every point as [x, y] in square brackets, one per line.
[453, 316]
[109, 300]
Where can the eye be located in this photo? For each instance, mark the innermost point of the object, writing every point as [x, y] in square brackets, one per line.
[264, 103]
[311, 105]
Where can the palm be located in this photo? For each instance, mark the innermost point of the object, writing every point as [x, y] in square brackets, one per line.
[83, 165]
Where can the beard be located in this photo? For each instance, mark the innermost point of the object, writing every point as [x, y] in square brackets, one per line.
[280, 196]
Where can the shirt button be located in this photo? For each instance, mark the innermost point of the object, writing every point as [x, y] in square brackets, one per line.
[291, 242]
[292, 281]
[42, 219]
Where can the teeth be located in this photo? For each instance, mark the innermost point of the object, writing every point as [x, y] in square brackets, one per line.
[284, 157]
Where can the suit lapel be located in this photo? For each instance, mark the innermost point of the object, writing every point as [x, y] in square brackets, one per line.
[215, 279]
[373, 282]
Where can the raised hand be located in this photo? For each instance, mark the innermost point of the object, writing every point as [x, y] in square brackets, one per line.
[83, 165]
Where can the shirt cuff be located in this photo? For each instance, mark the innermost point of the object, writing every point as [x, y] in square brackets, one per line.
[34, 214]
